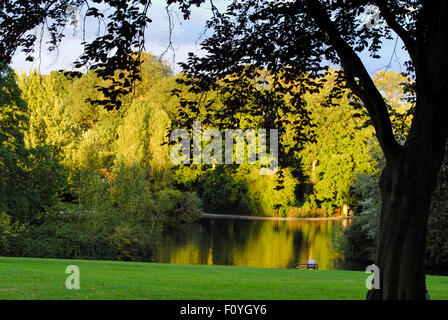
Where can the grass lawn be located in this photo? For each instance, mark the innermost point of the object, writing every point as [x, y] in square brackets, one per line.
[28, 278]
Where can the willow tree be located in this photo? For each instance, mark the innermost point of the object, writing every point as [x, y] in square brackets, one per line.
[296, 38]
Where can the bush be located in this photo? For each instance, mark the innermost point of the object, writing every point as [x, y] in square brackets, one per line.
[132, 243]
[60, 241]
[9, 231]
[359, 249]
[188, 209]
[437, 236]
[223, 192]
[305, 212]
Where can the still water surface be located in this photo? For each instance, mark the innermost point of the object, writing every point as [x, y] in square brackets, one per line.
[253, 243]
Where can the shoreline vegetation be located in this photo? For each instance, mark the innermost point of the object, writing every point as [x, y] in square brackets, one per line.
[241, 217]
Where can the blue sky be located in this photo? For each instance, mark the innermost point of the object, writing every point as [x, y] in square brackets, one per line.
[185, 38]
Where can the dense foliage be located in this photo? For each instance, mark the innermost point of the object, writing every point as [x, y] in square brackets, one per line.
[79, 181]
[91, 183]
[360, 241]
[30, 177]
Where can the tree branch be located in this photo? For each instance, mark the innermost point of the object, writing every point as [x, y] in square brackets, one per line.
[387, 14]
[365, 89]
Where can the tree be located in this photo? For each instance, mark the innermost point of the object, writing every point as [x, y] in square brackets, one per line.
[30, 178]
[341, 149]
[50, 122]
[296, 38]
[140, 138]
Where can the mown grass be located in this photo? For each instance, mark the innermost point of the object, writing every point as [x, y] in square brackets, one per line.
[28, 278]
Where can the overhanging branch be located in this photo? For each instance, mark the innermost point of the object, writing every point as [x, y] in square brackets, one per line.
[387, 14]
[354, 69]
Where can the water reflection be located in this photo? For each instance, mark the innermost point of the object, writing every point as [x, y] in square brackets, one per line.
[267, 244]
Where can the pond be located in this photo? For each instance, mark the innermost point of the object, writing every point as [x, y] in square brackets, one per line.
[253, 243]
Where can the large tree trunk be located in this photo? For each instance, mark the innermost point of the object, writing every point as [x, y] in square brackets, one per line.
[406, 186]
[411, 170]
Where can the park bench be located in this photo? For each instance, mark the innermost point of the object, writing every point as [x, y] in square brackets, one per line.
[308, 266]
